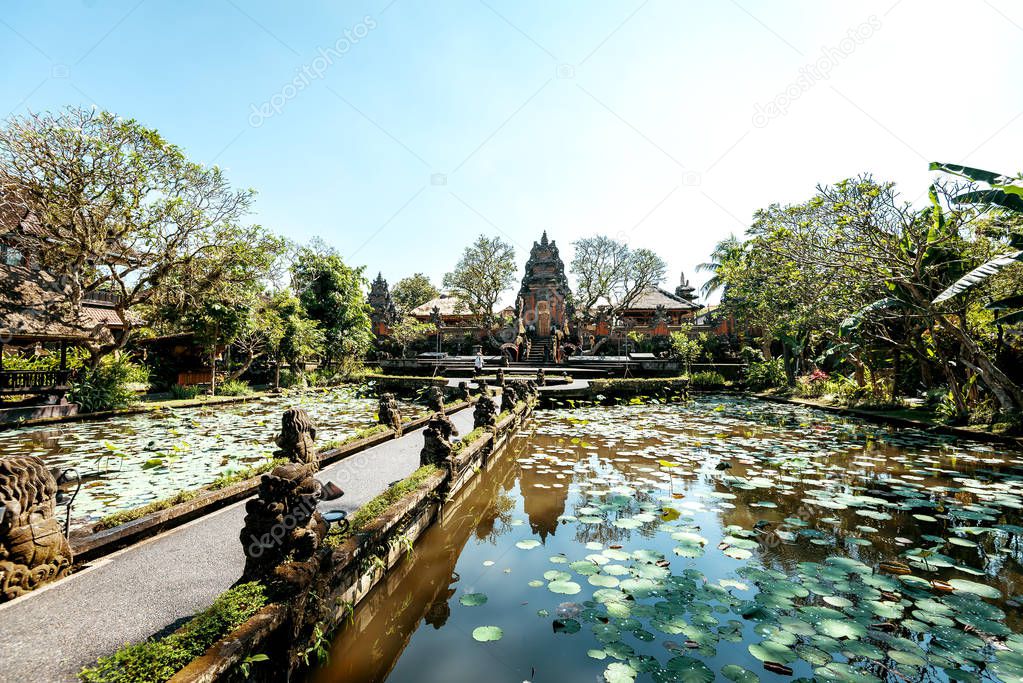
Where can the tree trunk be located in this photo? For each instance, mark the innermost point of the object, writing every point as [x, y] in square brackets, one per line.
[250, 358]
[213, 371]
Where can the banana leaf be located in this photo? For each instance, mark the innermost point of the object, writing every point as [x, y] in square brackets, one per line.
[979, 274]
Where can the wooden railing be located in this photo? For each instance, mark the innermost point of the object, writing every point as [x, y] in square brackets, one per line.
[31, 381]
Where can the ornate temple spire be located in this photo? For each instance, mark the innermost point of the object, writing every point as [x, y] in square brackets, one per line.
[543, 240]
[685, 290]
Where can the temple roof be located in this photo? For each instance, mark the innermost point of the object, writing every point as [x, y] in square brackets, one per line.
[655, 296]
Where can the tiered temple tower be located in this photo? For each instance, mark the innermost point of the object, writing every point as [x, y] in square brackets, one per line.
[544, 298]
[384, 313]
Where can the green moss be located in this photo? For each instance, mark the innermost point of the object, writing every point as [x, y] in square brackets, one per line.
[374, 508]
[357, 436]
[118, 518]
[154, 661]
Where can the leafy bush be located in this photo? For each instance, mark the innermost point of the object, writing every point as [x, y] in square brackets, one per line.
[108, 386]
[180, 393]
[707, 380]
[766, 374]
[155, 661]
[234, 387]
[48, 360]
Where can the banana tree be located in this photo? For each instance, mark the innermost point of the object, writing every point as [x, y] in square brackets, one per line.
[1003, 191]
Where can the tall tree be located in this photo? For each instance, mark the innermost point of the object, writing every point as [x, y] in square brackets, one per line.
[725, 251]
[333, 294]
[609, 273]
[485, 271]
[412, 291]
[114, 207]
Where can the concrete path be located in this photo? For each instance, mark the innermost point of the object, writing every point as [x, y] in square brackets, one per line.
[154, 586]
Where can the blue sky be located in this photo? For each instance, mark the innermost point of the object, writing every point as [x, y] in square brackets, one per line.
[399, 130]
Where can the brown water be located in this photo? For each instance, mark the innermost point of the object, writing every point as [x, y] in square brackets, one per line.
[609, 545]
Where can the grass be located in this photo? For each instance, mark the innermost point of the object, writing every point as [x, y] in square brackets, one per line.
[374, 508]
[357, 436]
[155, 661]
[118, 518]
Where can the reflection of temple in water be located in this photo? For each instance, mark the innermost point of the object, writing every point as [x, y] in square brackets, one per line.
[543, 506]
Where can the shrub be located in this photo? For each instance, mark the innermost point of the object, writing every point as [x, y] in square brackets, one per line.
[107, 386]
[707, 380]
[234, 387]
[766, 375]
[180, 393]
[155, 661]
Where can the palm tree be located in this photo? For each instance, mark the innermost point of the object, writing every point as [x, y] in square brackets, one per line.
[726, 250]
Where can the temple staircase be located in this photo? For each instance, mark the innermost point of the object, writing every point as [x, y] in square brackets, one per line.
[538, 351]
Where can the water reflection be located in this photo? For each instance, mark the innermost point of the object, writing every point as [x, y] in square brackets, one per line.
[688, 532]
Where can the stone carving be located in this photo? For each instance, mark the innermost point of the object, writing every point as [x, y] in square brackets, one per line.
[388, 414]
[485, 413]
[483, 387]
[435, 399]
[541, 377]
[462, 393]
[509, 397]
[684, 290]
[500, 377]
[296, 440]
[282, 529]
[437, 446]
[383, 312]
[33, 550]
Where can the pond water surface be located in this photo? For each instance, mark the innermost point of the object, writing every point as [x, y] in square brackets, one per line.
[725, 539]
[132, 460]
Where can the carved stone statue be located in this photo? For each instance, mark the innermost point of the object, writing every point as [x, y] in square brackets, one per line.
[462, 393]
[435, 399]
[485, 413]
[297, 437]
[541, 377]
[509, 397]
[282, 526]
[33, 550]
[500, 377]
[388, 413]
[437, 446]
[483, 387]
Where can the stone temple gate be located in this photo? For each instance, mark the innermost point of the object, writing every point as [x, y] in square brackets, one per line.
[543, 305]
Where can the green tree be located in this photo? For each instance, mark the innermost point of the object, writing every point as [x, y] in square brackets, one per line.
[333, 294]
[116, 208]
[412, 291]
[291, 336]
[725, 252]
[409, 330]
[485, 271]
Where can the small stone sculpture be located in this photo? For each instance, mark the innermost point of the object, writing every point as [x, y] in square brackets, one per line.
[281, 523]
[388, 414]
[33, 550]
[296, 440]
[509, 397]
[462, 393]
[541, 377]
[500, 377]
[437, 446]
[485, 413]
[482, 386]
[435, 399]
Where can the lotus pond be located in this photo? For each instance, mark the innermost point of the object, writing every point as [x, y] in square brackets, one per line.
[132, 460]
[724, 539]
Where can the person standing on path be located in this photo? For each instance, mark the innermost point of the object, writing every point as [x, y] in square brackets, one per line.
[479, 362]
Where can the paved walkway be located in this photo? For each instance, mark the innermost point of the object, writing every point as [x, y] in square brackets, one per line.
[154, 586]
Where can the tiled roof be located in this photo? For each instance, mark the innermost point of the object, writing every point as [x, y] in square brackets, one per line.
[32, 306]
